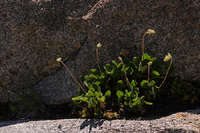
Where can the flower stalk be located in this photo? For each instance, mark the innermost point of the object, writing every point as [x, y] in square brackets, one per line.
[149, 69]
[166, 59]
[148, 32]
[68, 70]
[99, 45]
[127, 81]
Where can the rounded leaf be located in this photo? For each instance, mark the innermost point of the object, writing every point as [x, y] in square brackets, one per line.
[108, 93]
[144, 83]
[119, 94]
[156, 73]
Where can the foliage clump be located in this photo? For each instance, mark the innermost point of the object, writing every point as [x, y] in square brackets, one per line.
[123, 86]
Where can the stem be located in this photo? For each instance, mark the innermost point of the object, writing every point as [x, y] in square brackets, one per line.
[149, 68]
[73, 77]
[166, 74]
[97, 56]
[142, 45]
[127, 81]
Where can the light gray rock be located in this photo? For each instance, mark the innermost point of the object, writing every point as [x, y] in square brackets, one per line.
[182, 122]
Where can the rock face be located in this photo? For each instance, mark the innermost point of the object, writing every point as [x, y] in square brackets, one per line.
[34, 33]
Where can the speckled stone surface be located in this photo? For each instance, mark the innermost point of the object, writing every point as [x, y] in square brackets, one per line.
[120, 24]
[182, 122]
[33, 34]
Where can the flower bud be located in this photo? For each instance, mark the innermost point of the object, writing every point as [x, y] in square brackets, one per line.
[120, 58]
[99, 45]
[150, 31]
[150, 63]
[167, 57]
[59, 59]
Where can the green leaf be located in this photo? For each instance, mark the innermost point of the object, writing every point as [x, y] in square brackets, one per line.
[112, 72]
[146, 57]
[92, 76]
[91, 87]
[108, 93]
[133, 83]
[84, 99]
[97, 83]
[102, 99]
[107, 67]
[119, 94]
[109, 70]
[144, 83]
[152, 83]
[140, 67]
[148, 103]
[127, 94]
[85, 83]
[120, 82]
[125, 103]
[135, 61]
[76, 98]
[114, 63]
[102, 76]
[97, 94]
[126, 68]
[90, 93]
[156, 73]
[131, 71]
[86, 77]
[119, 66]
[93, 70]
[80, 98]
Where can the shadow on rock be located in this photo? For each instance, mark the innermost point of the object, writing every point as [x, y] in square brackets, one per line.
[93, 123]
[7, 123]
[177, 131]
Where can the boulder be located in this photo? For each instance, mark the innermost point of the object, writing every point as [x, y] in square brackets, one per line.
[35, 33]
[181, 122]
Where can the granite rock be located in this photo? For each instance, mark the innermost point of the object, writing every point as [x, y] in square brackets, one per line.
[35, 33]
[181, 122]
[119, 25]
